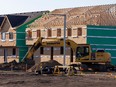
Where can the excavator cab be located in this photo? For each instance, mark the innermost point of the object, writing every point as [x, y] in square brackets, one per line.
[82, 52]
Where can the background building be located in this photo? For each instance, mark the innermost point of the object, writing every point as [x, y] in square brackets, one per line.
[92, 24]
[12, 34]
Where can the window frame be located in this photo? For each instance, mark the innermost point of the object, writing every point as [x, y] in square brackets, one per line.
[58, 32]
[49, 32]
[79, 31]
[29, 34]
[69, 32]
[10, 36]
[14, 51]
[38, 33]
[3, 36]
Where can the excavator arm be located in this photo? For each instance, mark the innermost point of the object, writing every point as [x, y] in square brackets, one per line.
[33, 48]
[53, 42]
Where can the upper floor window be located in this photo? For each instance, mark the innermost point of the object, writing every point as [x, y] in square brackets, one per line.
[58, 32]
[10, 35]
[69, 32]
[49, 32]
[79, 31]
[3, 36]
[29, 34]
[38, 33]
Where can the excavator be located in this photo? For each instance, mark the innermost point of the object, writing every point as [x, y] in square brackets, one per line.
[99, 60]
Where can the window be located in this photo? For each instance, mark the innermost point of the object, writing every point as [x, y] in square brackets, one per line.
[14, 51]
[61, 50]
[29, 34]
[41, 50]
[69, 32]
[10, 35]
[82, 51]
[3, 36]
[38, 33]
[49, 33]
[58, 32]
[79, 31]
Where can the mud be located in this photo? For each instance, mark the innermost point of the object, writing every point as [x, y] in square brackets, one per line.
[24, 79]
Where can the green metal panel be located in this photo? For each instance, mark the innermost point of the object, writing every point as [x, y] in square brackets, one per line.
[20, 39]
[99, 32]
[103, 37]
[95, 40]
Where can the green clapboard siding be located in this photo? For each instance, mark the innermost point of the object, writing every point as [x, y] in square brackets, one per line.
[103, 37]
[21, 41]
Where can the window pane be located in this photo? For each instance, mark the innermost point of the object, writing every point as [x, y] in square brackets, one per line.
[69, 33]
[3, 36]
[38, 33]
[14, 51]
[29, 34]
[10, 35]
[41, 50]
[49, 33]
[61, 50]
[79, 31]
[59, 32]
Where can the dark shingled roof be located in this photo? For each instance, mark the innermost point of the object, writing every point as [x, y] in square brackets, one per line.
[20, 18]
[16, 20]
[1, 20]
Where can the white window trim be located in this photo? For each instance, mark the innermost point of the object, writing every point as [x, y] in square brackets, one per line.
[54, 36]
[34, 37]
[34, 30]
[54, 29]
[83, 35]
[3, 40]
[11, 39]
[75, 36]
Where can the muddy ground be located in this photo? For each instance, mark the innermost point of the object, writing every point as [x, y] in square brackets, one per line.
[24, 79]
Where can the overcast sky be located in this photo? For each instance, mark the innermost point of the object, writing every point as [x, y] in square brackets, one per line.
[18, 6]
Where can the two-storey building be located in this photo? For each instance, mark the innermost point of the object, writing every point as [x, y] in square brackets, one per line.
[94, 25]
[12, 34]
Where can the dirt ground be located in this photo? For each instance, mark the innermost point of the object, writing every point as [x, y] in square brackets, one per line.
[24, 79]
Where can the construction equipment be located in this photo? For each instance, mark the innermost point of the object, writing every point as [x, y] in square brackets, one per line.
[99, 60]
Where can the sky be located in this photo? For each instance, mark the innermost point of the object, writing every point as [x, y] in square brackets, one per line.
[19, 6]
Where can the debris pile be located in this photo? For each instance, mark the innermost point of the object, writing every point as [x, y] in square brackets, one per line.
[13, 65]
[50, 63]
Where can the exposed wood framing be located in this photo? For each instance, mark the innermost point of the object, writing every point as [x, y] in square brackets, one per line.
[91, 15]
